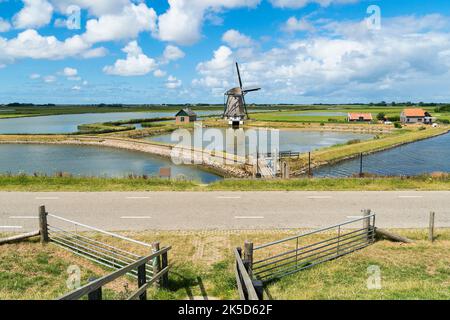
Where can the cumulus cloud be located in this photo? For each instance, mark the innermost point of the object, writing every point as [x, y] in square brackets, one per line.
[172, 53]
[4, 25]
[235, 39]
[293, 24]
[35, 14]
[95, 7]
[126, 24]
[216, 72]
[346, 60]
[30, 44]
[159, 73]
[173, 83]
[183, 20]
[70, 72]
[136, 63]
[295, 4]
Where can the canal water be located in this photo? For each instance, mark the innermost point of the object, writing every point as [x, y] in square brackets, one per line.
[69, 123]
[289, 140]
[91, 161]
[427, 156]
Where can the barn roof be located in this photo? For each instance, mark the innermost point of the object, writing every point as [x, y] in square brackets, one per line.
[357, 116]
[414, 112]
[187, 112]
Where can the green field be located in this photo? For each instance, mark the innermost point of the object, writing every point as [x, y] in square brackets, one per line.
[296, 116]
[202, 265]
[33, 111]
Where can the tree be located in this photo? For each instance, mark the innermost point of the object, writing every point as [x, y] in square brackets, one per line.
[381, 116]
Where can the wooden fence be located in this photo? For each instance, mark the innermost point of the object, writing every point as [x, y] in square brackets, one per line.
[248, 288]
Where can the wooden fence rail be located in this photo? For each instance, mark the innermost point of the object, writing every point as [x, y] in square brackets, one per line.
[248, 289]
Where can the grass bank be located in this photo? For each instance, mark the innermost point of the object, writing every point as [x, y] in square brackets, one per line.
[203, 267]
[63, 183]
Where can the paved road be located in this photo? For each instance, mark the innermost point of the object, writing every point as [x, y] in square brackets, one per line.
[223, 210]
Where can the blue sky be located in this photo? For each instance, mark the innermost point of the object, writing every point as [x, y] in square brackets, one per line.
[178, 51]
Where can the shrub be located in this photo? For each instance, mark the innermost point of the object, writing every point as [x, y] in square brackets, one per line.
[354, 141]
[381, 116]
[397, 125]
[393, 118]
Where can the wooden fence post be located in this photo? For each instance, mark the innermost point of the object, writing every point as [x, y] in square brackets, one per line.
[156, 264]
[142, 279]
[431, 227]
[164, 264]
[366, 222]
[248, 257]
[43, 227]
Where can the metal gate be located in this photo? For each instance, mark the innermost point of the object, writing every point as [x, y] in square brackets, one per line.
[92, 243]
[287, 256]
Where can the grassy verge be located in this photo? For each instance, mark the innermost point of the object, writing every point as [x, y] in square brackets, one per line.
[203, 266]
[68, 183]
[425, 183]
[29, 271]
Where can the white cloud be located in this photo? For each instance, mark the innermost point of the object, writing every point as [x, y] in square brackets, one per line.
[410, 55]
[183, 20]
[127, 24]
[136, 63]
[172, 53]
[235, 39]
[30, 44]
[35, 76]
[173, 83]
[216, 72]
[293, 24]
[70, 72]
[76, 88]
[35, 14]
[4, 25]
[94, 53]
[95, 7]
[159, 73]
[295, 4]
[49, 79]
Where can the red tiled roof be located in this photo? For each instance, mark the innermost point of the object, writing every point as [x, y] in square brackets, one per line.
[414, 112]
[357, 116]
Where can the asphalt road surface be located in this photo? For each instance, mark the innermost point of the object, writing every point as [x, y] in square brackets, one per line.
[123, 211]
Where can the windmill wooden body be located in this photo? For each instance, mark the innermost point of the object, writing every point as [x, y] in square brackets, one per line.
[236, 108]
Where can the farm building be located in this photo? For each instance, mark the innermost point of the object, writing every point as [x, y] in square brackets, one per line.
[360, 117]
[185, 116]
[415, 115]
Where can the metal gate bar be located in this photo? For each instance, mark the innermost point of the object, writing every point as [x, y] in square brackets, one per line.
[95, 250]
[272, 266]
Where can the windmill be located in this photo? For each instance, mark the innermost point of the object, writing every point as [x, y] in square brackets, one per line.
[236, 108]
